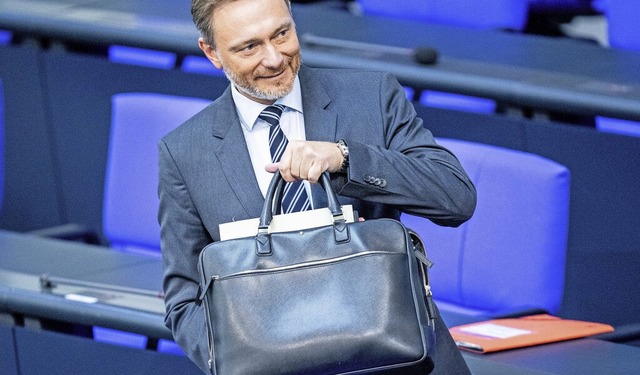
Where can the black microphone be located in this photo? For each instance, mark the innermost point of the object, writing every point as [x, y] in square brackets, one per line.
[426, 55]
[422, 55]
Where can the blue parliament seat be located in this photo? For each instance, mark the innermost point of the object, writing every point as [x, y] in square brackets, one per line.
[618, 126]
[142, 57]
[457, 102]
[509, 258]
[623, 32]
[622, 23]
[130, 203]
[498, 14]
[6, 37]
[130, 206]
[200, 65]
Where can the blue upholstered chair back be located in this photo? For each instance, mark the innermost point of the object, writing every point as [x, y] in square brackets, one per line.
[508, 14]
[622, 22]
[1, 142]
[130, 206]
[624, 32]
[510, 256]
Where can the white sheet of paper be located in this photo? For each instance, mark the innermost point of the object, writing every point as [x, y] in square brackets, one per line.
[80, 298]
[283, 223]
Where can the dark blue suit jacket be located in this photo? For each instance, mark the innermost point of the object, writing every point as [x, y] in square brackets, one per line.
[206, 176]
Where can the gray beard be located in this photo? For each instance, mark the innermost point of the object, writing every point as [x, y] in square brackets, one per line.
[256, 93]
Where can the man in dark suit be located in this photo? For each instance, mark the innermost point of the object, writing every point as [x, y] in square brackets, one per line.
[358, 126]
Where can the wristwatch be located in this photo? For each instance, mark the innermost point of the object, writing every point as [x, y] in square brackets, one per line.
[344, 149]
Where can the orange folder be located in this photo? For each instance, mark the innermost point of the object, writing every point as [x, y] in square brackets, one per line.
[502, 334]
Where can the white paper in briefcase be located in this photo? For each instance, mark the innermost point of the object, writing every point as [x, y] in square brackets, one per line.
[283, 223]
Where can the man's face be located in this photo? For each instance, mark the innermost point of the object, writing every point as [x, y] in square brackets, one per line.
[257, 47]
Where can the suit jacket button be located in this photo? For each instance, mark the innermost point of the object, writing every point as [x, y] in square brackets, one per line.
[377, 181]
[368, 178]
[383, 183]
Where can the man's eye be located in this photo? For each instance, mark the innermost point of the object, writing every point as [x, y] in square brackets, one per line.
[282, 34]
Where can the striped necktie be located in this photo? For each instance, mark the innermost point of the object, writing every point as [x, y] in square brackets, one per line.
[294, 197]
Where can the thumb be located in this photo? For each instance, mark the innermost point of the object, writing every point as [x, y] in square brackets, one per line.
[272, 167]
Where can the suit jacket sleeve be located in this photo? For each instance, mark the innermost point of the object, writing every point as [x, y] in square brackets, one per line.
[183, 236]
[419, 176]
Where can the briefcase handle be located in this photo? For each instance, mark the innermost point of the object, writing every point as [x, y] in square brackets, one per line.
[273, 199]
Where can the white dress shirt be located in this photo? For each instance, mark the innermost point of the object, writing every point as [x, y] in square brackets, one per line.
[256, 131]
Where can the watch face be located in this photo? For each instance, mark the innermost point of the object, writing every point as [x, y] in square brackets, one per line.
[342, 145]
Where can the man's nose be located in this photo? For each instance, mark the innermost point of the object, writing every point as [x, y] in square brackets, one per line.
[272, 57]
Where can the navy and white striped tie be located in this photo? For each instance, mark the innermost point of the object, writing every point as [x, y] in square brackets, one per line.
[295, 196]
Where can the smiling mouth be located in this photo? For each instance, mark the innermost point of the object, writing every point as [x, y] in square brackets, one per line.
[277, 75]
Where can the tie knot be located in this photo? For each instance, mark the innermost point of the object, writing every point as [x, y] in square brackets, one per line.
[272, 114]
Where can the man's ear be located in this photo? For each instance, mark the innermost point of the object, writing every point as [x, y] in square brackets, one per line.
[210, 52]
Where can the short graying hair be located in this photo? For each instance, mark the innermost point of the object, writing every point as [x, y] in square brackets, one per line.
[202, 13]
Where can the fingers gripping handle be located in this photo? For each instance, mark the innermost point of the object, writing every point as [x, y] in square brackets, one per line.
[273, 200]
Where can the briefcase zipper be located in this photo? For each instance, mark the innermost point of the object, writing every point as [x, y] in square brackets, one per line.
[315, 263]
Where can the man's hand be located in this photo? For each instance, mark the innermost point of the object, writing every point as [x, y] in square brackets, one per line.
[307, 160]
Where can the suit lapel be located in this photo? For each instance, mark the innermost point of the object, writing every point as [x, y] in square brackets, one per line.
[233, 155]
[320, 122]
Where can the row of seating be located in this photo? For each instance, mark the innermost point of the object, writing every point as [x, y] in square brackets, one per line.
[509, 258]
[623, 32]
[429, 98]
[510, 14]
[161, 60]
[520, 196]
[503, 14]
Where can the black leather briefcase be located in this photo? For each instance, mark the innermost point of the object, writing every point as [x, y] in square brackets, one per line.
[343, 298]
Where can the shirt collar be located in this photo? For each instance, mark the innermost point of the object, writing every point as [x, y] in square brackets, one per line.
[249, 110]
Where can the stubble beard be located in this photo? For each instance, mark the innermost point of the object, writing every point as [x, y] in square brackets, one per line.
[269, 95]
